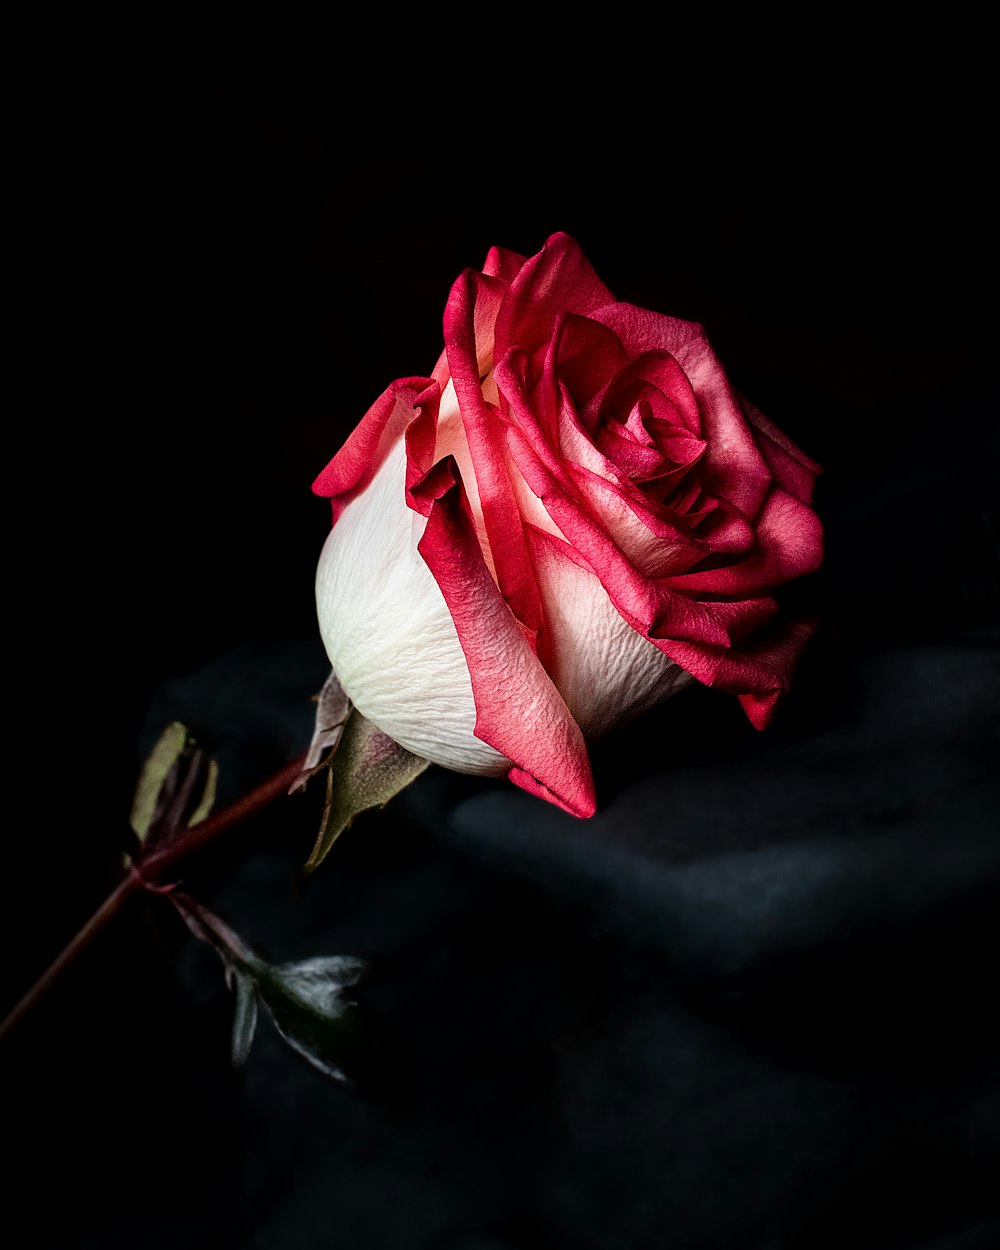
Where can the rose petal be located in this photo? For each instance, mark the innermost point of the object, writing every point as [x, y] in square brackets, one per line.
[789, 543]
[388, 631]
[519, 712]
[759, 670]
[732, 466]
[558, 279]
[471, 308]
[779, 650]
[357, 462]
[638, 462]
[650, 607]
[660, 375]
[606, 672]
[583, 355]
[791, 467]
[503, 264]
[550, 470]
[660, 542]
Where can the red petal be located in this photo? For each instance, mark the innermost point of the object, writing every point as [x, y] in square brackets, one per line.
[472, 305]
[583, 355]
[791, 467]
[502, 263]
[759, 670]
[648, 605]
[732, 466]
[558, 279]
[519, 712]
[789, 544]
[360, 458]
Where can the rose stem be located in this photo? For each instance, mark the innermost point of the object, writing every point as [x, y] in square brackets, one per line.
[146, 874]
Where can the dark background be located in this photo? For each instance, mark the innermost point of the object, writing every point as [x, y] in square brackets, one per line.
[748, 1004]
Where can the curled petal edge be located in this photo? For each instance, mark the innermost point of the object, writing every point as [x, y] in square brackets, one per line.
[519, 712]
[354, 467]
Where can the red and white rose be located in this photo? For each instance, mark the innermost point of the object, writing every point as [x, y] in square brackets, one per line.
[573, 517]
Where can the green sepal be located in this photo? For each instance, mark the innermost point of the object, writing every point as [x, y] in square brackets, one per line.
[368, 769]
[333, 707]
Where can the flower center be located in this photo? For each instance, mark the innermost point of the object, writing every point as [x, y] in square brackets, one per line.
[645, 434]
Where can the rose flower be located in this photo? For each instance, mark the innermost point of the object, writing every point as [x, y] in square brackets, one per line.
[572, 518]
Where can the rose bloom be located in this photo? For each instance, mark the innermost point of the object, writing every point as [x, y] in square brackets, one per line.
[571, 519]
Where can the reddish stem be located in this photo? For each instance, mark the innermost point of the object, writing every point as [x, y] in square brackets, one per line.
[146, 876]
[194, 837]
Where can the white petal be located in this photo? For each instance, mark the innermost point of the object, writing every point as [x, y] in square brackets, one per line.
[388, 631]
[606, 671]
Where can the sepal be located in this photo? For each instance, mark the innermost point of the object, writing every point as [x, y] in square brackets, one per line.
[368, 769]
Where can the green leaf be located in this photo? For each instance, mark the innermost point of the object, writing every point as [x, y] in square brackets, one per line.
[154, 773]
[308, 1000]
[245, 1016]
[207, 800]
[176, 788]
[311, 1010]
[368, 769]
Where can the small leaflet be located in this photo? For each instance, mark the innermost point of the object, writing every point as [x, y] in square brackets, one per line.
[307, 1000]
[176, 787]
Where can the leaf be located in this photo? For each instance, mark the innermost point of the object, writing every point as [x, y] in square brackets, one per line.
[333, 707]
[307, 1000]
[311, 1010]
[207, 800]
[176, 787]
[154, 773]
[244, 1018]
[367, 771]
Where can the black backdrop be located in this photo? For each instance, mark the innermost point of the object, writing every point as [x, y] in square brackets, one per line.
[792, 1048]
